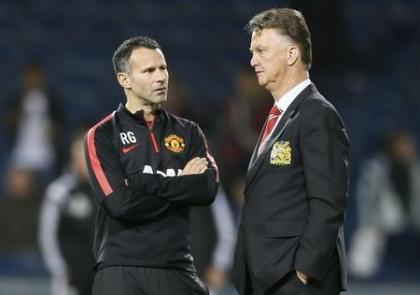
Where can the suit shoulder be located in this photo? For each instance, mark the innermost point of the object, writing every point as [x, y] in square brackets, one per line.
[317, 103]
[317, 111]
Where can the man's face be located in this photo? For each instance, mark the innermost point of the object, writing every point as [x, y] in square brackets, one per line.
[269, 57]
[148, 75]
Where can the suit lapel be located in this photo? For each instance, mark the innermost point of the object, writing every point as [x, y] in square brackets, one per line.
[278, 131]
[287, 118]
[259, 160]
[255, 152]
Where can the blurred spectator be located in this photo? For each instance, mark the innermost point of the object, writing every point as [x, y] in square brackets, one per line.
[67, 228]
[237, 189]
[247, 111]
[388, 197]
[244, 118]
[212, 243]
[179, 100]
[19, 215]
[32, 125]
[182, 103]
[21, 184]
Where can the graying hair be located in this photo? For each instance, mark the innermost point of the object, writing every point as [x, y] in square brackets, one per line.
[288, 22]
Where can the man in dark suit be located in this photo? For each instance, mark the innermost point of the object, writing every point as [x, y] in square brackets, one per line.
[291, 235]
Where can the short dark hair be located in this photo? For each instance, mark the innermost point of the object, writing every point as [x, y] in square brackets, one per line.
[123, 53]
[289, 22]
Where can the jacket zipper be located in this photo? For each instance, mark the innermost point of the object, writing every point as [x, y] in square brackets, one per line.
[152, 135]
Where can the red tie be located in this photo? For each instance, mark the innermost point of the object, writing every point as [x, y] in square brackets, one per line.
[271, 122]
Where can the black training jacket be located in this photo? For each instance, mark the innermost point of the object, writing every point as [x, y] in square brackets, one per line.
[143, 216]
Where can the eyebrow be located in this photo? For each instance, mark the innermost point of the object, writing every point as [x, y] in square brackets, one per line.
[149, 67]
[154, 66]
[260, 47]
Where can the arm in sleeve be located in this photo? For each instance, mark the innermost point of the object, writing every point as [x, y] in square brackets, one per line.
[192, 190]
[222, 257]
[107, 178]
[50, 215]
[324, 151]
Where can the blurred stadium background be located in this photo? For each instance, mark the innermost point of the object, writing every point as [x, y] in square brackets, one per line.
[366, 61]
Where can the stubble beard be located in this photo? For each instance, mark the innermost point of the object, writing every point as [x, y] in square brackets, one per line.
[155, 103]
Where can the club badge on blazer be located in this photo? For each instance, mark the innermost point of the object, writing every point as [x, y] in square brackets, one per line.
[281, 153]
[174, 143]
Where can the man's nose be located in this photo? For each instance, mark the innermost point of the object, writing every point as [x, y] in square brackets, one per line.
[161, 76]
[253, 61]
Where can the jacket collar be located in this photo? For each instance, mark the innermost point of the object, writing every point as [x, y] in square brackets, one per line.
[139, 115]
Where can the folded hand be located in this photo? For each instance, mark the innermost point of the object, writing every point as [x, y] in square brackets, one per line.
[195, 166]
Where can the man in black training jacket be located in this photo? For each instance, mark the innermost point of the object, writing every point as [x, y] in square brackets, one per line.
[147, 167]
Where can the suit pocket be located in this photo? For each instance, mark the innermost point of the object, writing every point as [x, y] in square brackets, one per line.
[284, 228]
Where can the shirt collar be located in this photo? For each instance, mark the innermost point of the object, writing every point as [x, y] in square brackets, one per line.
[284, 101]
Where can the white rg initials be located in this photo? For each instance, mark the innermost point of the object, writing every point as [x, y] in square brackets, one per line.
[128, 137]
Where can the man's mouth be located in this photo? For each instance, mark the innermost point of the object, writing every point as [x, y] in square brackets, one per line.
[160, 89]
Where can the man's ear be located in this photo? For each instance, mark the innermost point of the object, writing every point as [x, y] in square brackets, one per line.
[292, 55]
[124, 80]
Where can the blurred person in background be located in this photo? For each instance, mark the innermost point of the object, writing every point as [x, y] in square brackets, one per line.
[147, 167]
[213, 235]
[180, 102]
[19, 211]
[291, 238]
[32, 124]
[66, 231]
[237, 189]
[247, 110]
[243, 116]
[388, 198]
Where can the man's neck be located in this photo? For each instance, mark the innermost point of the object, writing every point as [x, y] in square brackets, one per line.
[288, 83]
[135, 105]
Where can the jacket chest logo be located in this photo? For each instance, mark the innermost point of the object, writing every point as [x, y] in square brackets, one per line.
[174, 143]
[281, 153]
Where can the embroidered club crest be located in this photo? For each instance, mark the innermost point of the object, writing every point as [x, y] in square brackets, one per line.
[281, 153]
[174, 143]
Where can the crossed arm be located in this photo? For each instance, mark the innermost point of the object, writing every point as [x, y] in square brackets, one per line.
[141, 197]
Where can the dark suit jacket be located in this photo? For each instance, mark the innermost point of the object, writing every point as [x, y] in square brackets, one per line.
[295, 198]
